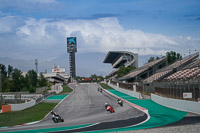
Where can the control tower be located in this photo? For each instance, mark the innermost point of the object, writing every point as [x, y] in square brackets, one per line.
[71, 49]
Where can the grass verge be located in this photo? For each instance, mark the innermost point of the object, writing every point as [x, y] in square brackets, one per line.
[31, 114]
[105, 86]
[66, 90]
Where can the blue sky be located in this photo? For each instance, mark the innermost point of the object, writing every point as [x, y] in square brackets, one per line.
[32, 29]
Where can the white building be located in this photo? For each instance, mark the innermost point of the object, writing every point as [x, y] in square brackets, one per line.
[58, 75]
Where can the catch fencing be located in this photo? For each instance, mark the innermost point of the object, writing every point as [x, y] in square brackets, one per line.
[187, 90]
[127, 86]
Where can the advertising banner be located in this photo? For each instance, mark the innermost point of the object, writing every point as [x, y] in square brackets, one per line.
[71, 44]
[187, 95]
[59, 70]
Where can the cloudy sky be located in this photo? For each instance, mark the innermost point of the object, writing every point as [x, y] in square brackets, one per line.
[31, 29]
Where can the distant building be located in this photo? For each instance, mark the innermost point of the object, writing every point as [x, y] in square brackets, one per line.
[58, 75]
[60, 71]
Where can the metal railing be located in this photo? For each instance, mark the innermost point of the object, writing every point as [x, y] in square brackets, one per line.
[176, 89]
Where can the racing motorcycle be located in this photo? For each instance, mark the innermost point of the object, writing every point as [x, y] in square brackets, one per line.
[120, 102]
[57, 119]
[110, 108]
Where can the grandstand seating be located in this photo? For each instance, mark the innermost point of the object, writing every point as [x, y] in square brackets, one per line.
[142, 69]
[156, 76]
[161, 73]
[193, 64]
[186, 74]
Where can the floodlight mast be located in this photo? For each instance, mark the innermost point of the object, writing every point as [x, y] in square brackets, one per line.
[36, 65]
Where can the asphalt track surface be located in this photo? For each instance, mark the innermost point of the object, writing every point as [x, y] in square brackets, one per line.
[85, 105]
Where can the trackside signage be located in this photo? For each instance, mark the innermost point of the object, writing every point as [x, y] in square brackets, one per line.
[187, 95]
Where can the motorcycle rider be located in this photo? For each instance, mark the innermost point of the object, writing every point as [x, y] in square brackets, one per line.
[56, 118]
[120, 102]
[53, 114]
[108, 107]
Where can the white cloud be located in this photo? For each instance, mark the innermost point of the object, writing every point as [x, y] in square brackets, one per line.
[47, 38]
[8, 24]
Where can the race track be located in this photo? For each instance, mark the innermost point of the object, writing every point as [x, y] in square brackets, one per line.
[85, 105]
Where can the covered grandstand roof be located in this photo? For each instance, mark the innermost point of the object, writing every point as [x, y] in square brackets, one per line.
[118, 58]
[142, 69]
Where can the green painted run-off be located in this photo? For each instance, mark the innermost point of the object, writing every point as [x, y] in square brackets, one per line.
[56, 97]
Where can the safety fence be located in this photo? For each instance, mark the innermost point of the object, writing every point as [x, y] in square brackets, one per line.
[40, 99]
[113, 83]
[30, 100]
[128, 86]
[187, 90]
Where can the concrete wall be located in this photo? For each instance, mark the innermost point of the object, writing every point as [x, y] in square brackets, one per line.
[183, 105]
[22, 106]
[128, 92]
[21, 96]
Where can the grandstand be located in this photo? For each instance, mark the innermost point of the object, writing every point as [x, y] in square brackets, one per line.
[186, 74]
[145, 71]
[172, 81]
[190, 72]
[162, 73]
[195, 63]
[113, 73]
[120, 58]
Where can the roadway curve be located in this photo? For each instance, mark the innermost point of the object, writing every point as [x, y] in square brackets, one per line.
[86, 106]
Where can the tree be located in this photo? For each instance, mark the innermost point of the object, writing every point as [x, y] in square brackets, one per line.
[94, 76]
[33, 77]
[10, 70]
[42, 81]
[153, 59]
[26, 83]
[124, 70]
[3, 71]
[173, 56]
[16, 80]
[7, 84]
[3, 76]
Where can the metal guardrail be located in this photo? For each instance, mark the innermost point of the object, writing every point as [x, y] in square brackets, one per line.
[175, 89]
